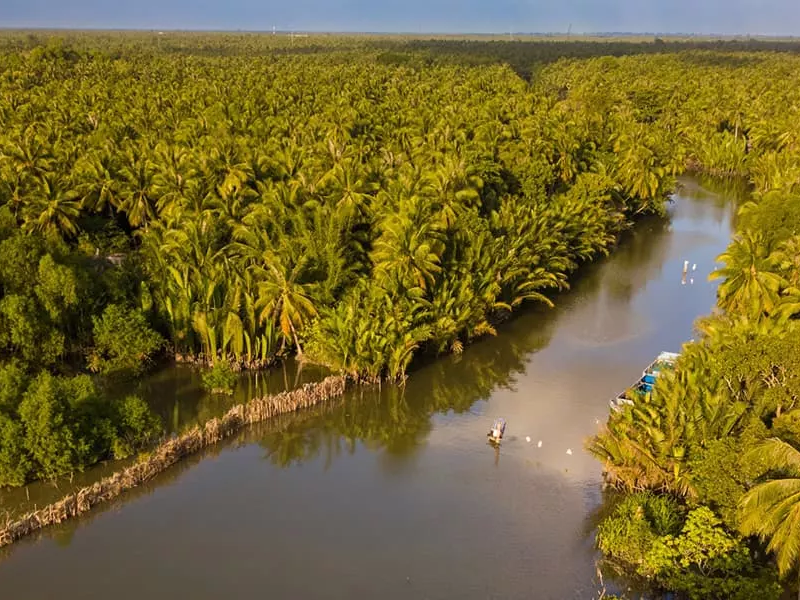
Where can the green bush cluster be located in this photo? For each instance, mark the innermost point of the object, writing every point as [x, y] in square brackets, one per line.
[55, 425]
[684, 551]
[220, 378]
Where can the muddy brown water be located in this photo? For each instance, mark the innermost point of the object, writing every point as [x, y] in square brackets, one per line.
[394, 493]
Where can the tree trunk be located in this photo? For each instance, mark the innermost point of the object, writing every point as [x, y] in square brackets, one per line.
[296, 341]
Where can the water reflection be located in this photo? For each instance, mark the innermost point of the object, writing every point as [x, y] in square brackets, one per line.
[714, 198]
[176, 393]
[398, 420]
[398, 482]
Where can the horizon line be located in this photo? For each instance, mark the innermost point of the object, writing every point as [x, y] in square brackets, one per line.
[408, 33]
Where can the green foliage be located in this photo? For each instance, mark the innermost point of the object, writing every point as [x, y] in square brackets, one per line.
[63, 425]
[373, 200]
[723, 471]
[456, 192]
[771, 509]
[707, 562]
[15, 465]
[689, 553]
[220, 379]
[636, 523]
[137, 427]
[787, 427]
[696, 435]
[57, 439]
[124, 341]
[13, 382]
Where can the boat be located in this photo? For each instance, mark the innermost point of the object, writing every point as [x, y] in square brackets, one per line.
[498, 429]
[665, 361]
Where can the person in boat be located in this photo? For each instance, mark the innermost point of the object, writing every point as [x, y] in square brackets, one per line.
[497, 430]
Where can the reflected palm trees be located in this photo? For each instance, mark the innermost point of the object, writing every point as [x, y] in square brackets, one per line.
[398, 420]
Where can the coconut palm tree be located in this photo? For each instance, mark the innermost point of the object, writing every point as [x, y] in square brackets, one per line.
[407, 255]
[771, 509]
[137, 197]
[282, 299]
[54, 209]
[751, 281]
[100, 185]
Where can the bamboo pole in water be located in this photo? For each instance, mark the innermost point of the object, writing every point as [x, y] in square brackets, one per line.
[169, 452]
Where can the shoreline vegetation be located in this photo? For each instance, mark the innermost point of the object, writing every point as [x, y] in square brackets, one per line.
[705, 468]
[169, 452]
[340, 206]
[364, 203]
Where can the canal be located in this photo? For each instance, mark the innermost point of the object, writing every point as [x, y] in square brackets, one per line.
[394, 493]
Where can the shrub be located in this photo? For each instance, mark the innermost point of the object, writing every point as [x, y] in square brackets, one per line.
[54, 437]
[646, 536]
[706, 562]
[13, 382]
[137, 427]
[15, 465]
[124, 341]
[634, 526]
[220, 379]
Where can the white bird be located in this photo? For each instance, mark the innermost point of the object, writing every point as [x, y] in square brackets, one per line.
[694, 267]
[569, 450]
[539, 444]
[528, 439]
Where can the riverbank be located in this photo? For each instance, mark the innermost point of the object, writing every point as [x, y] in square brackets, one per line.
[397, 480]
[170, 452]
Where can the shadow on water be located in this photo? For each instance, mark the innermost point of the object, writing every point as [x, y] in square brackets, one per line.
[724, 196]
[176, 394]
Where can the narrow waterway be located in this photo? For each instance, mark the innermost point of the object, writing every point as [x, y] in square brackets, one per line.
[394, 493]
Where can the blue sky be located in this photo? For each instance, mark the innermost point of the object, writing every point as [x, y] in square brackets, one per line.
[771, 17]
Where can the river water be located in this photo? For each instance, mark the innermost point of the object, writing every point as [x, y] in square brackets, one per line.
[395, 493]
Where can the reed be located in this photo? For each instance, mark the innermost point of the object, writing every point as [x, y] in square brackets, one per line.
[170, 452]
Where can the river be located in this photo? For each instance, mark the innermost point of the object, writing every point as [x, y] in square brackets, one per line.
[394, 493]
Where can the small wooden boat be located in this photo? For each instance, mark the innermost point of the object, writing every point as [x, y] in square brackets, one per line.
[496, 432]
[665, 361]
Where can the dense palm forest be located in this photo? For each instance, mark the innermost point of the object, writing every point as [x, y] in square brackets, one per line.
[270, 207]
[710, 457]
[231, 200]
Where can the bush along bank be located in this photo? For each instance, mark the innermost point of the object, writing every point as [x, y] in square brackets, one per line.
[171, 451]
[707, 464]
